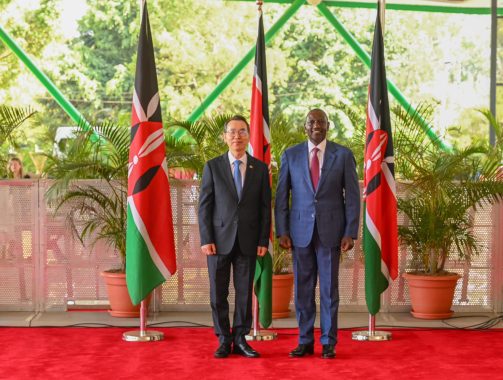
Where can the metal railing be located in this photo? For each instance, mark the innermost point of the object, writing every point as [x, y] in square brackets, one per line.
[43, 267]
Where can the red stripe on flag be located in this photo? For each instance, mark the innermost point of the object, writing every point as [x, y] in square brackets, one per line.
[159, 224]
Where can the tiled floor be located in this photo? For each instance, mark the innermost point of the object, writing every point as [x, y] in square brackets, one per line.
[174, 319]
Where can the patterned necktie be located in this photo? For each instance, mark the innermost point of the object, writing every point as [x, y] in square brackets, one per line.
[237, 178]
[315, 168]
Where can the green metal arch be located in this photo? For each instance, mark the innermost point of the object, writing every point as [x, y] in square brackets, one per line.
[78, 118]
[348, 37]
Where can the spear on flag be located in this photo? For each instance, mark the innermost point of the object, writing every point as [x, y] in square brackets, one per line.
[150, 244]
[260, 148]
[380, 232]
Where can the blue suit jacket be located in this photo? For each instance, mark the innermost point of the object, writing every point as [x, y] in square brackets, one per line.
[335, 206]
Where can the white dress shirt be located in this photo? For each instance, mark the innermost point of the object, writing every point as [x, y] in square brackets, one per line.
[242, 166]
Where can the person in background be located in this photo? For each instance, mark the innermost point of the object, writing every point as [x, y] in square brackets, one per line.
[15, 169]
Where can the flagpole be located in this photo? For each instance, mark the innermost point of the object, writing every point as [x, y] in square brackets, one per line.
[143, 319]
[143, 335]
[145, 57]
[372, 334]
[257, 333]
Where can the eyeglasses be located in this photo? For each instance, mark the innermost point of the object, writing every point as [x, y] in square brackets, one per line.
[235, 132]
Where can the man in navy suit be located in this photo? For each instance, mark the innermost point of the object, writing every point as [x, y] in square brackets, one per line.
[320, 220]
[234, 226]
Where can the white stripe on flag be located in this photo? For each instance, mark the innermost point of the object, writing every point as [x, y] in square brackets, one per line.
[143, 232]
[387, 174]
[152, 105]
[164, 166]
[258, 81]
[384, 270]
[372, 228]
[267, 131]
[376, 154]
[376, 124]
[138, 108]
[130, 168]
[151, 143]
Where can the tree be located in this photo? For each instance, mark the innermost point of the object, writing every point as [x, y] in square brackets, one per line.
[309, 63]
[32, 27]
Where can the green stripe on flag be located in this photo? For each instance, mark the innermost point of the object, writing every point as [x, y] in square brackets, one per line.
[375, 281]
[263, 287]
[142, 275]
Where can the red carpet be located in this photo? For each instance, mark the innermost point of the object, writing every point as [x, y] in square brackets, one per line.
[187, 353]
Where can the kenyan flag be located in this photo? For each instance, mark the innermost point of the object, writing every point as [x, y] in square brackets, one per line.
[260, 148]
[150, 245]
[380, 234]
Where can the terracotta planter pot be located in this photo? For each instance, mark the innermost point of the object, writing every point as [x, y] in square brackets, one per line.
[282, 286]
[431, 296]
[118, 296]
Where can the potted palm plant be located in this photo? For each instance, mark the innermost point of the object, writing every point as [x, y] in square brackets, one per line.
[191, 144]
[97, 211]
[441, 188]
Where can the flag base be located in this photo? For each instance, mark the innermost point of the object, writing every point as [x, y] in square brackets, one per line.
[262, 335]
[372, 335]
[142, 336]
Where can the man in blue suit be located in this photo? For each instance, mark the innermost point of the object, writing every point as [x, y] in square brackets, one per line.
[317, 214]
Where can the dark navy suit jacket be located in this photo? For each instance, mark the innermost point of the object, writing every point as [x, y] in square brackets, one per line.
[222, 215]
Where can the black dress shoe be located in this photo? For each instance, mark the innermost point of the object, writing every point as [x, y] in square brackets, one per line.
[302, 350]
[223, 351]
[242, 348]
[328, 351]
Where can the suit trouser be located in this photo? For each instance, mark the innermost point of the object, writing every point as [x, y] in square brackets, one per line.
[243, 271]
[308, 262]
